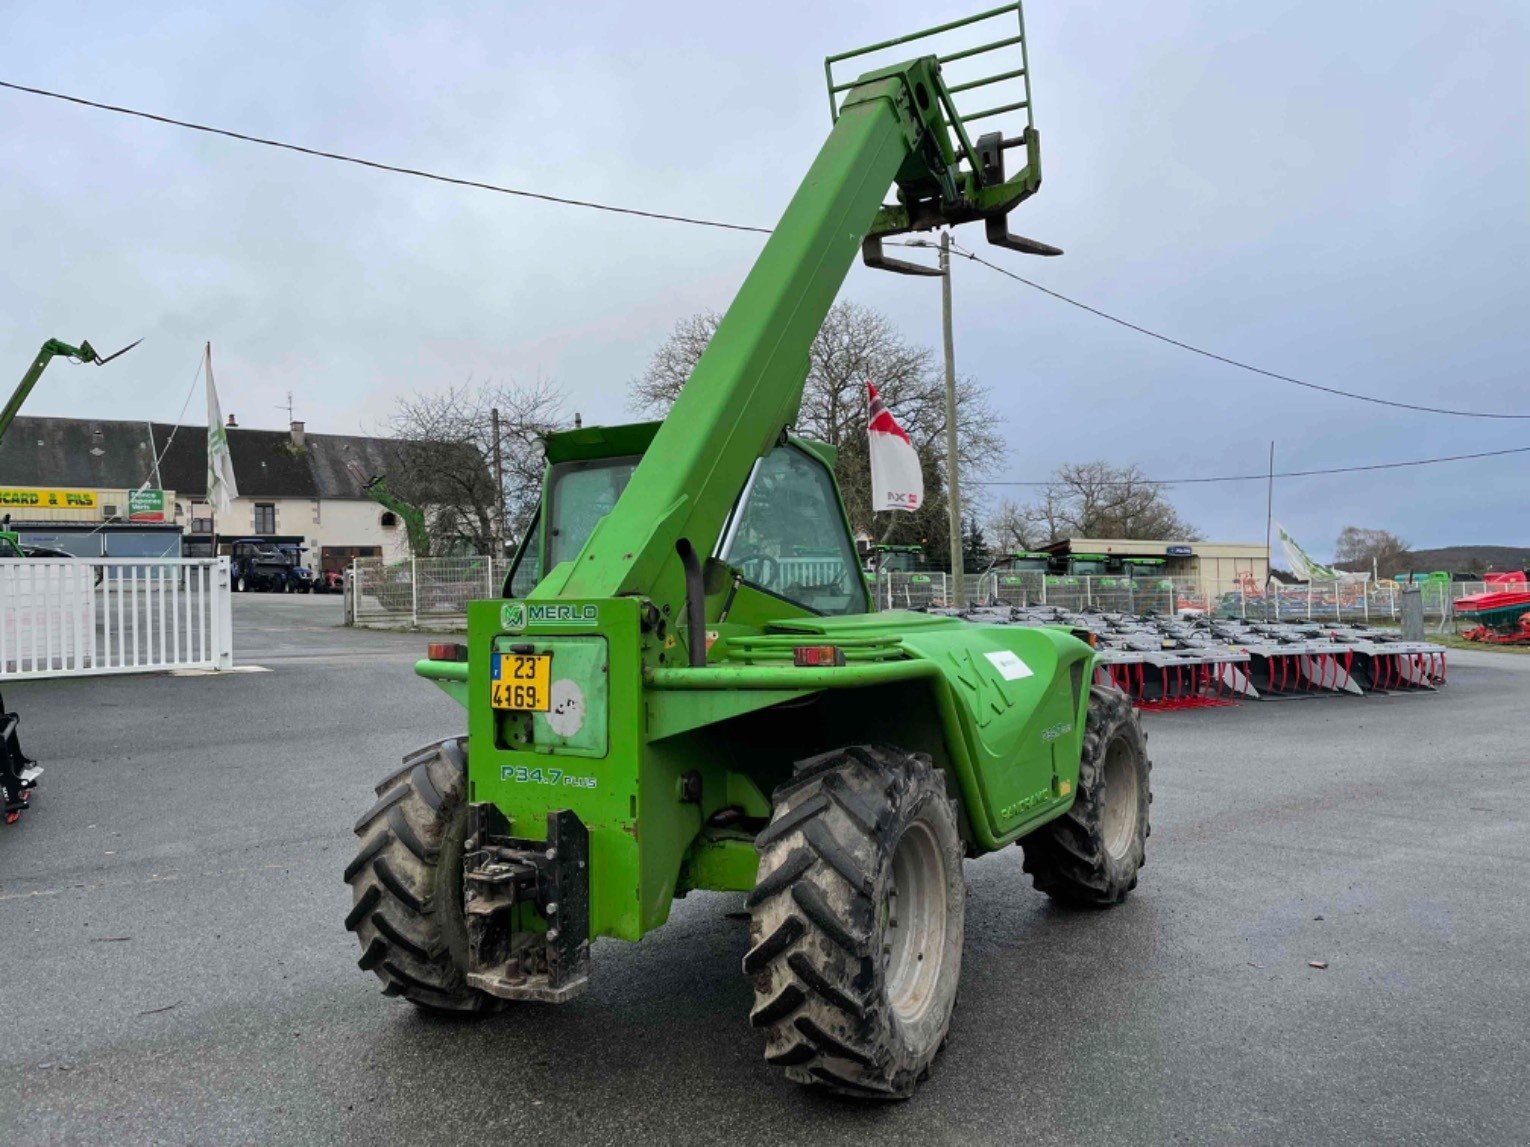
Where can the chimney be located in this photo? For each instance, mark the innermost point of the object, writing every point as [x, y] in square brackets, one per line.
[232, 423]
[297, 435]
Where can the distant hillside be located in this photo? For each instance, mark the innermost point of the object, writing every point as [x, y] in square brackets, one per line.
[1458, 559]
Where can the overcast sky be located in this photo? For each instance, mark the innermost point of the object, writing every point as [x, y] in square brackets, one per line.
[1336, 191]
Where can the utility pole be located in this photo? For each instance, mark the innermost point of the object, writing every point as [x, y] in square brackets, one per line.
[953, 489]
[1269, 516]
[499, 486]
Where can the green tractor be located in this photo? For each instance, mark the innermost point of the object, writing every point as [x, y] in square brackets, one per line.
[669, 696]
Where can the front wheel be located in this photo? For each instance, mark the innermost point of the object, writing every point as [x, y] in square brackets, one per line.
[1090, 855]
[856, 922]
[406, 883]
[239, 584]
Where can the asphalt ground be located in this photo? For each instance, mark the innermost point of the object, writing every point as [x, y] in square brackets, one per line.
[173, 966]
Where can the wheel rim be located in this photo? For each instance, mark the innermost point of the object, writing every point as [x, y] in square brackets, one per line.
[1119, 821]
[914, 943]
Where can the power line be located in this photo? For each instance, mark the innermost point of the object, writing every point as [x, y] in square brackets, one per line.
[379, 166]
[1231, 361]
[1265, 477]
[725, 226]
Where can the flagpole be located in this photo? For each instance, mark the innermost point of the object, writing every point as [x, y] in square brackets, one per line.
[212, 504]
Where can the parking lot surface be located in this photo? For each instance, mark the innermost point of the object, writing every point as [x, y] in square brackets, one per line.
[176, 969]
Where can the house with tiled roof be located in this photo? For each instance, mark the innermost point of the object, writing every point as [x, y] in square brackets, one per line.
[126, 488]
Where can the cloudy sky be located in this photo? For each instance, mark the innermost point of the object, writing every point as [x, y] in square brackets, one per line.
[1335, 191]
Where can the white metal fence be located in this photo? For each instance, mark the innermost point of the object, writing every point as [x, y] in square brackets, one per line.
[68, 617]
[1344, 601]
[434, 592]
[426, 592]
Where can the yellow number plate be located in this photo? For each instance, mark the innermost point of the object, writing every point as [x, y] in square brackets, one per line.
[522, 682]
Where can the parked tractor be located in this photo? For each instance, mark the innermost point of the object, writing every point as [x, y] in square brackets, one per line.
[670, 696]
[271, 567]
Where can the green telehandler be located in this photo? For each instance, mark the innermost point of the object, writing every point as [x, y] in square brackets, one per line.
[19, 772]
[684, 685]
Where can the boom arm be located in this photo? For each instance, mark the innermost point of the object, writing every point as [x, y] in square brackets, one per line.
[82, 353]
[413, 517]
[747, 386]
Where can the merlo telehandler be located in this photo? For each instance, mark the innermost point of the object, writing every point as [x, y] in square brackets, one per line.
[670, 695]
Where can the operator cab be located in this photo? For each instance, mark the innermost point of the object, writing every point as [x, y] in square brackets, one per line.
[1087, 565]
[786, 535]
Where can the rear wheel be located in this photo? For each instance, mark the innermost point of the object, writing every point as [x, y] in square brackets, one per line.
[406, 883]
[856, 922]
[1090, 855]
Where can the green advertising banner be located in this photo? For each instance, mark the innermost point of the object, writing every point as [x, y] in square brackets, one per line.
[146, 506]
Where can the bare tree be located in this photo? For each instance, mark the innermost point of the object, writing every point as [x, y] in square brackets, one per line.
[1011, 527]
[1098, 500]
[857, 345]
[1365, 548]
[446, 457]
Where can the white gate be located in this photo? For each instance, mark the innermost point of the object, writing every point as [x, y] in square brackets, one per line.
[71, 617]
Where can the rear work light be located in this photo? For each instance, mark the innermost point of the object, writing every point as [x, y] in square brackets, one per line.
[446, 651]
[817, 656]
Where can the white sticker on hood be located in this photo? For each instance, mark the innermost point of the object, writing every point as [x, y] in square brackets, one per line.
[1010, 667]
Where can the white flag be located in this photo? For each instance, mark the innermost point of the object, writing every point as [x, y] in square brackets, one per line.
[221, 488]
[897, 483]
[1302, 563]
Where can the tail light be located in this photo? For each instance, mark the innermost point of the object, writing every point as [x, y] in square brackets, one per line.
[817, 656]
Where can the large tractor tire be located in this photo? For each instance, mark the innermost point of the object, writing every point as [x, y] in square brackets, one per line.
[406, 882]
[1089, 856]
[856, 922]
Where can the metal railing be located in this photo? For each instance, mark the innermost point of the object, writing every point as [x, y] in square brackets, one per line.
[933, 588]
[422, 592]
[72, 617]
[434, 592]
[1343, 601]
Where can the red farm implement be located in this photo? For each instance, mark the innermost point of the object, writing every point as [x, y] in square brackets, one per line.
[1502, 618]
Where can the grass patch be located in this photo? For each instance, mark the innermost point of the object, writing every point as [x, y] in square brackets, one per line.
[1451, 641]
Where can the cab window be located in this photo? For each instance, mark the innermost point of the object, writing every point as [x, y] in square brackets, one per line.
[579, 495]
[788, 535]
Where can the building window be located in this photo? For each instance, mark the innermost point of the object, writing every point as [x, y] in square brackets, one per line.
[389, 520]
[201, 525]
[265, 517]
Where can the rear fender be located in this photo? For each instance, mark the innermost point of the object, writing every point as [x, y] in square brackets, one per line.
[1012, 703]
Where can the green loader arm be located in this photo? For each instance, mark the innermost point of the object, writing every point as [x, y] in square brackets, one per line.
[745, 390]
[10, 542]
[376, 488]
[82, 353]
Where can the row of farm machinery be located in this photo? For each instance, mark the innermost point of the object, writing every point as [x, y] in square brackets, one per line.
[1191, 662]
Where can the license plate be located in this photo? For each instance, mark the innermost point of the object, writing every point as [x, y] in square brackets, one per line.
[521, 681]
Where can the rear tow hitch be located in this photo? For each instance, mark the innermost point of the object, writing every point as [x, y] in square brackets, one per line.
[511, 886]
